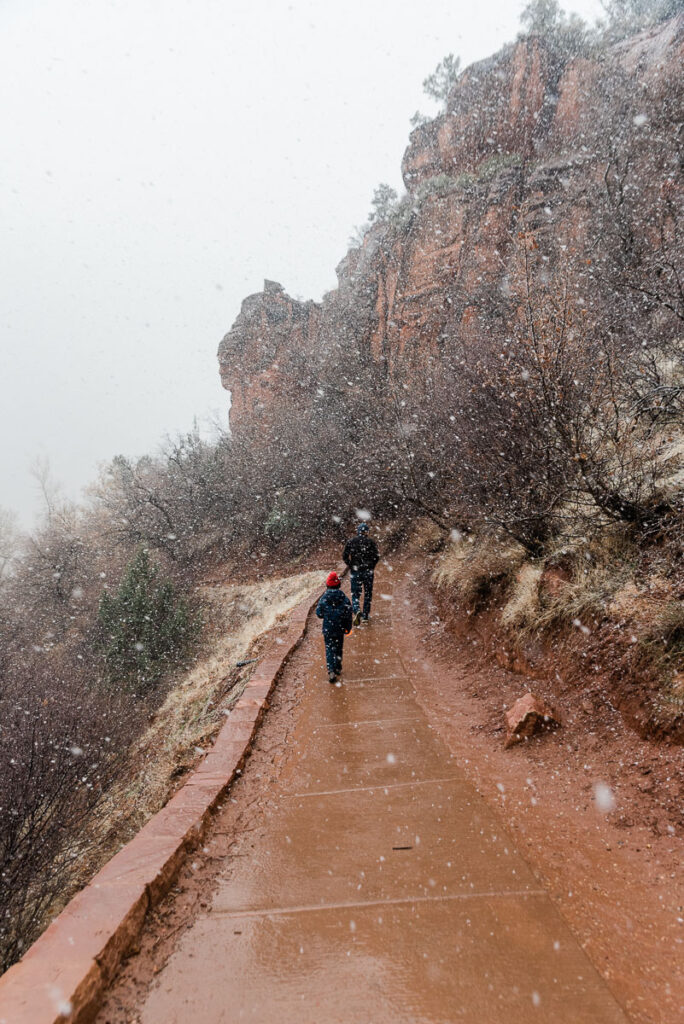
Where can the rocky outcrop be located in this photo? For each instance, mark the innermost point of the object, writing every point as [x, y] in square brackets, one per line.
[502, 105]
[270, 324]
[525, 146]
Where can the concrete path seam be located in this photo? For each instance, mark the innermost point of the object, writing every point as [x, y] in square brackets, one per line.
[362, 904]
[377, 788]
[372, 679]
[369, 721]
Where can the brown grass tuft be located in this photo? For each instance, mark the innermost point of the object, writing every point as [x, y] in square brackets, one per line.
[470, 572]
[523, 606]
[426, 538]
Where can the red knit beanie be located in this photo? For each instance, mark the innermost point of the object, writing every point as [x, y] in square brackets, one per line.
[333, 580]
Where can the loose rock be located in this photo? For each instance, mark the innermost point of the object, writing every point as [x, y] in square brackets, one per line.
[528, 716]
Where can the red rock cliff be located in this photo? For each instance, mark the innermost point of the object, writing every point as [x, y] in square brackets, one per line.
[525, 145]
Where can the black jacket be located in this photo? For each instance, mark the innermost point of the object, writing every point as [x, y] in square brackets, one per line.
[361, 554]
[336, 611]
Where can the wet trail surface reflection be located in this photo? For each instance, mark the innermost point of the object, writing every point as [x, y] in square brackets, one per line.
[378, 886]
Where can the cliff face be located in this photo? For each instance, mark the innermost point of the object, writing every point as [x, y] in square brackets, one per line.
[270, 325]
[581, 156]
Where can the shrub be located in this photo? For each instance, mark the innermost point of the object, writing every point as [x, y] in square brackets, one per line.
[60, 747]
[672, 628]
[281, 523]
[444, 184]
[494, 165]
[146, 627]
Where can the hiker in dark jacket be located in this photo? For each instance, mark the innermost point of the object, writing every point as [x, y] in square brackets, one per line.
[336, 611]
[361, 555]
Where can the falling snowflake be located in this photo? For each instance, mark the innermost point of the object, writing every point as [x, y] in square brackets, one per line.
[604, 798]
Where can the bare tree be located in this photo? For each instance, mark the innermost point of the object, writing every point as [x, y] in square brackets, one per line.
[60, 746]
[176, 503]
[9, 541]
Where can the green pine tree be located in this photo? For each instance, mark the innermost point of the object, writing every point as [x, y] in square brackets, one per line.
[146, 628]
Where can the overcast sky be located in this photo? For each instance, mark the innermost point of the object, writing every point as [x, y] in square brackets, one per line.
[158, 160]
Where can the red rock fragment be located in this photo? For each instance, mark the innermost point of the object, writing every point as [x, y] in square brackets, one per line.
[528, 716]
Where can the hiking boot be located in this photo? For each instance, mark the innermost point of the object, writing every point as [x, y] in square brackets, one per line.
[332, 678]
[365, 618]
[356, 619]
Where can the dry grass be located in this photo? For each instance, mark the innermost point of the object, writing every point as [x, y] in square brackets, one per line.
[426, 538]
[664, 638]
[662, 647]
[470, 572]
[194, 707]
[581, 602]
[608, 580]
[522, 609]
[576, 584]
[667, 707]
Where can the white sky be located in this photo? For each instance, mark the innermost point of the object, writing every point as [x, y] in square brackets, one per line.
[158, 160]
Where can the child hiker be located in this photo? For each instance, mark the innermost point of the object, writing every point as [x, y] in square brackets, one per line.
[336, 611]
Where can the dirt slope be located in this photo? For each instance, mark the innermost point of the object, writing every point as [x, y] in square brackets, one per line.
[616, 877]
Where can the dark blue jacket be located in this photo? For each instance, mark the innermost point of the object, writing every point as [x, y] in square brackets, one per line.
[336, 611]
[361, 554]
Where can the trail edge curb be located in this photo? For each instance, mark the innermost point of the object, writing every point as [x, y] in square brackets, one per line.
[63, 975]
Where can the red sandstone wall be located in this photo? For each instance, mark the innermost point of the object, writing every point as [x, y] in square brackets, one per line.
[522, 143]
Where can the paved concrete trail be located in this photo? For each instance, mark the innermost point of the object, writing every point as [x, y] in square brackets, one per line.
[380, 887]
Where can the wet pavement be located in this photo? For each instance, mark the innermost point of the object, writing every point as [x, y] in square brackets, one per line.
[378, 886]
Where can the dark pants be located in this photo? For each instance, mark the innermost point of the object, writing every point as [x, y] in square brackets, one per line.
[362, 579]
[333, 652]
